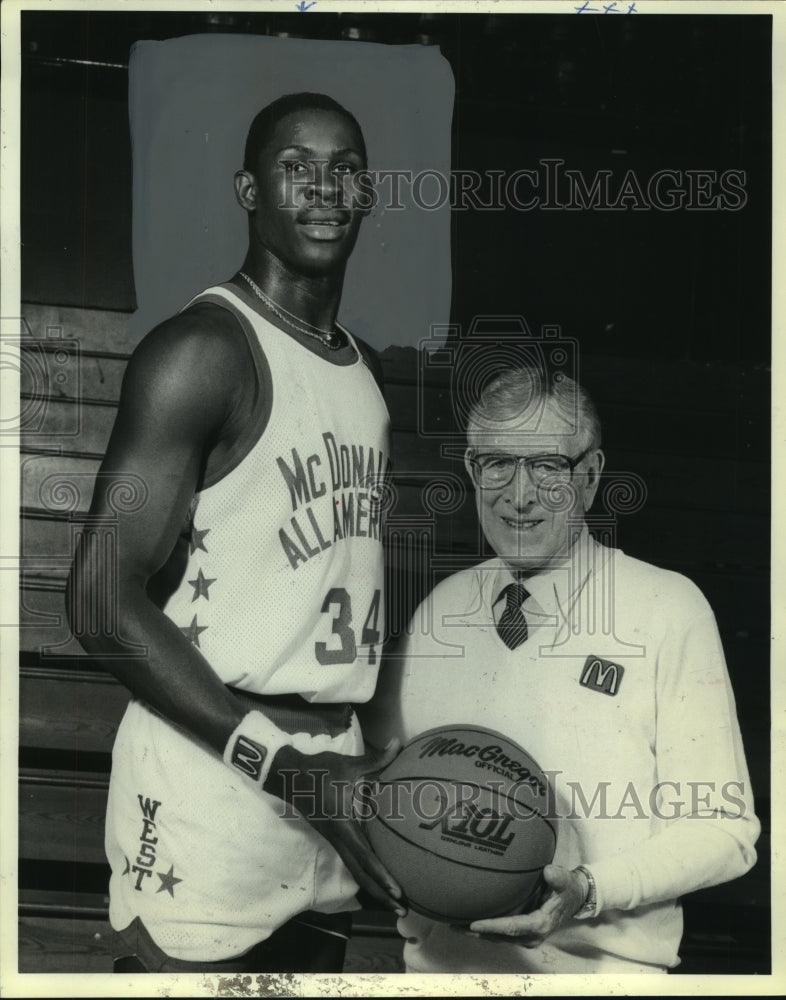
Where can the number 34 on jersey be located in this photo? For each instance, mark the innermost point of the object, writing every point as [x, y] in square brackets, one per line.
[343, 644]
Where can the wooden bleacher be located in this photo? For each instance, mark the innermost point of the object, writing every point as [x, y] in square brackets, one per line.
[679, 426]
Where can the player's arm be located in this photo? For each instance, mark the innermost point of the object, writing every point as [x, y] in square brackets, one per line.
[179, 396]
[174, 403]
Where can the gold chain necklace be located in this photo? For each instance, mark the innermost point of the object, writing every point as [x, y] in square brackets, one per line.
[328, 338]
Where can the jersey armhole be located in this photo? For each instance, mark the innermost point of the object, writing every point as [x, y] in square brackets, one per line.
[263, 401]
[366, 356]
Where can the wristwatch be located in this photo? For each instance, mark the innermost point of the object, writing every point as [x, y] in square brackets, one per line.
[590, 904]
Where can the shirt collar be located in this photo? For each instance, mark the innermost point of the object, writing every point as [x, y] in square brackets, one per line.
[554, 589]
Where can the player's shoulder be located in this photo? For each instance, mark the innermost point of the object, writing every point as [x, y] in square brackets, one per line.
[200, 335]
[201, 349]
[190, 366]
[642, 583]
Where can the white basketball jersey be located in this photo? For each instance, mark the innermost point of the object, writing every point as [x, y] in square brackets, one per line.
[283, 588]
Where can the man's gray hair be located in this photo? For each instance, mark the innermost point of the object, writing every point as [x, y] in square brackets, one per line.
[517, 396]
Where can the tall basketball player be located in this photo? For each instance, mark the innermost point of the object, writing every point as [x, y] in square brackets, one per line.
[240, 598]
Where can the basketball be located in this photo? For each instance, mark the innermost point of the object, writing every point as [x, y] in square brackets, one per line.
[461, 820]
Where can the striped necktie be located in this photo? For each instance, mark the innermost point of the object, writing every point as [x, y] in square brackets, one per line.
[512, 625]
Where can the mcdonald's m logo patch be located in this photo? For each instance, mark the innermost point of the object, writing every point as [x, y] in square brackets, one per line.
[601, 675]
[248, 757]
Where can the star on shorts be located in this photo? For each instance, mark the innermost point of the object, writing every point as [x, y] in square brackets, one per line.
[168, 881]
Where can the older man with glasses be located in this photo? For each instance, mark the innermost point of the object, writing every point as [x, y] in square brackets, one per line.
[609, 671]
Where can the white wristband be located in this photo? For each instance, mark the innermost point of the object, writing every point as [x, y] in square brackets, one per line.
[253, 745]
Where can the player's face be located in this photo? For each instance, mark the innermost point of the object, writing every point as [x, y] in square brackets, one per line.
[519, 520]
[306, 213]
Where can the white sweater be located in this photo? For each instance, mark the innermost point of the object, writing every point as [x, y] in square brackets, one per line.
[651, 784]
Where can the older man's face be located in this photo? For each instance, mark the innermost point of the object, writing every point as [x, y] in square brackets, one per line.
[519, 520]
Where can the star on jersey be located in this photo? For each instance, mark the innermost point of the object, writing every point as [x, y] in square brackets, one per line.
[192, 631]
[197, 539]
[201, 585]
[168, 881]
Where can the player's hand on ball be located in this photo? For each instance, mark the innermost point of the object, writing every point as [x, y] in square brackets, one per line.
[565, 898]
[321, 786]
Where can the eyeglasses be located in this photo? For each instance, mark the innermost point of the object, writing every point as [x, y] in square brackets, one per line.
[493, 471]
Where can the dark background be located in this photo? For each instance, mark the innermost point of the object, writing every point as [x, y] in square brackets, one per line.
[670, 311]
[687, 92]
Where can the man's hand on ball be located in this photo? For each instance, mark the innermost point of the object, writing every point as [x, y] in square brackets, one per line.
[566, 897]
[321, 787]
